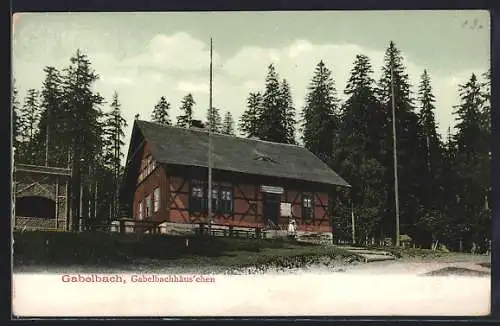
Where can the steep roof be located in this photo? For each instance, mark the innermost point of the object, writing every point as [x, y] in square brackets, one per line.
[189, 147]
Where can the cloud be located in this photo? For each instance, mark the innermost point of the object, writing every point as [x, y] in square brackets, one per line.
[189, 87]
[177, 64]
[298, 47]
[179, 51]
[118, 80]
[297, 60]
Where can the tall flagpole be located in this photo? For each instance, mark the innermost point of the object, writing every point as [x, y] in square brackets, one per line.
[209, 195]
[396, 190]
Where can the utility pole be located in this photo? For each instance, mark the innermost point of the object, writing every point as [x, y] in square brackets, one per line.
[353, 225]
[80, 215]
[70, 195]
[95, 201]
[80, 180]
[209, 195]
[47, 139]
[396, 190]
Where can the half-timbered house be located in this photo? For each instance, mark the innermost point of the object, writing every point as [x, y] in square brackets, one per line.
[254, 183]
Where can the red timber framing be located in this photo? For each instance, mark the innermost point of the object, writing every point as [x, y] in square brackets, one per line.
[150, 185]
[245, 197]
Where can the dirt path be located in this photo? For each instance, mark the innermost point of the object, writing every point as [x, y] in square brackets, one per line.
[449, 264]
[455, 264]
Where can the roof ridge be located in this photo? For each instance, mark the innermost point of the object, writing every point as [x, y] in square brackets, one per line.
[221, 134]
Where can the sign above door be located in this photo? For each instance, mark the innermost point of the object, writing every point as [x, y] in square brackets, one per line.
[272, 190]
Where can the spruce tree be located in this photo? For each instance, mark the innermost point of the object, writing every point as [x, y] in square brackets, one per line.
[30, 115]
[84, 129]
[362, 114]
[214, 121]
[288, 112]
[28, 123]
[468, 139]
[228, 124]
[410, 150]
[486, 94]
[187, 105]
[430, 224]
[161, 112]
[115, 135]
[53, 122]
[15, 117]
[320, 115]
[431, 140]
[356, 151]
[271, 122]
[472, 164]
[249, 121]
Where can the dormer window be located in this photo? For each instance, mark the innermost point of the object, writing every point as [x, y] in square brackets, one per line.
[264, 158]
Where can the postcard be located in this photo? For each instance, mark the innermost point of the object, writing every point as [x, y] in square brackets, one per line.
[319, 163]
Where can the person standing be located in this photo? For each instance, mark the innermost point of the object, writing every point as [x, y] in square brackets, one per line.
[292, 228]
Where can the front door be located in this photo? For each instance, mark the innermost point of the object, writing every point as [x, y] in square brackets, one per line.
[271, 207]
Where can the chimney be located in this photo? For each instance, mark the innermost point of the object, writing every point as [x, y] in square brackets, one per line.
[197, 124]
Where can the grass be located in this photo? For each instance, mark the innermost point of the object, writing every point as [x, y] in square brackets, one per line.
[115, 249]
[400, 252]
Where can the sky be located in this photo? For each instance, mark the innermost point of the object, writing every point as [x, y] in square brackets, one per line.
[144, 56]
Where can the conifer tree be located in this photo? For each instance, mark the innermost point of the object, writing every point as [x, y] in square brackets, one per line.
[288, 112]
[83, 132]
[228, 124]
[30, 115]
[486, 94]
[271, 118]
[410, 150]
[320, 115]
[468, 139]
[214, 120]
[161, 112]
[472, 164]
[431, 140]
[53, 122]
[15, 116]
[249, 121]
[356, 151]
[361, 113]
[187, 105]
[28, 123]
[115, 135]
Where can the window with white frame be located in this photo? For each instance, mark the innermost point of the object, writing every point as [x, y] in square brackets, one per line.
[140, 210]
[196, 198]
[226, 200]
[215, 199]
[307, 206]
[156, 199]
[148, 165]
[149, 206]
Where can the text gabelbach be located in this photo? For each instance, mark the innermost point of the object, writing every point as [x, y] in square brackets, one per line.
[136, 278]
